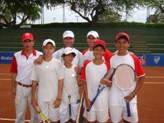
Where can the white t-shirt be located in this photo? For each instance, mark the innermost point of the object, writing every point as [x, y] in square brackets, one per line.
[116, 96]
[92, 74]
[70, 85]
[77, 59]
[47, 75]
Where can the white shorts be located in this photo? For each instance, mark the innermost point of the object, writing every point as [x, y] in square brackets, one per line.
[117, 113]
[100, 116]
[49, 111]
[64, 112]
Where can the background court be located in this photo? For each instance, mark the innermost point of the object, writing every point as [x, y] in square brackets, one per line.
[150, 97]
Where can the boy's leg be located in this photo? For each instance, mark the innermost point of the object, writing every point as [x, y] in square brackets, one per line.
[90, 116]
[74, 109]
[116, 113]
[63, 112]
[102, 116]
[53, 112]
[33, 113]
[20, 104]
[134, 114]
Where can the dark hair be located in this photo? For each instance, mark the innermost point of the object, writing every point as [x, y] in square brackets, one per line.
[99, 45]
[122, 37]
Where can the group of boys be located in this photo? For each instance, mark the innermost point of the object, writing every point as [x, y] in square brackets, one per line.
[52, 80]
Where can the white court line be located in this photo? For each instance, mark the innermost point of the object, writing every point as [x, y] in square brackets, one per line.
[154, 77]
[5, 73]
[5, 79]
[7, 119]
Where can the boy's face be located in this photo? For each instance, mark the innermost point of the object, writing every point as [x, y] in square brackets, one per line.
[28, 44]
[91, 39]
[48, 49]
[68, 58]
[122, 45]
[68, 41]
[98, 52]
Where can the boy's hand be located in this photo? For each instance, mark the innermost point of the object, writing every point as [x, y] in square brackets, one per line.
[88, 103]
[39, 60]
[34, 103]
[78, 69]
[57, 103]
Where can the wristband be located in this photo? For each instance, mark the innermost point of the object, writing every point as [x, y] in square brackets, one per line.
[133, 94]
[58, 99]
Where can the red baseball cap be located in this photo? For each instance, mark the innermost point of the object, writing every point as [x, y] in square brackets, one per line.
[27, 35]
[122, 34]
[99, 42]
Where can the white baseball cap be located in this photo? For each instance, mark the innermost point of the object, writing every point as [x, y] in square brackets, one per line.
[68, 33]
[49, 41]
[93, 33]
[69, 50]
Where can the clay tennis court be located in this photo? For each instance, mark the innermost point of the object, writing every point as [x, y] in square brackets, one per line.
[150, 98]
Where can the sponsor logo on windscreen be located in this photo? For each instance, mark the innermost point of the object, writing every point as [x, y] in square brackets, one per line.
[156, 59]
[142, 59]
[6, 57]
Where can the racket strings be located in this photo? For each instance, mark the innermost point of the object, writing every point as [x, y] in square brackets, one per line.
[124, 77]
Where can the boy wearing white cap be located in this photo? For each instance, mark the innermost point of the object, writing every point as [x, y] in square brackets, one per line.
[70, 90]
[68, 40]
[49, 77]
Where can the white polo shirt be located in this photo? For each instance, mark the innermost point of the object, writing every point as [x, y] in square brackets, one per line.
[22, 65]
[47, 75]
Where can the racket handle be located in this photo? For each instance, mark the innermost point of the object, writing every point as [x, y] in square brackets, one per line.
[128, 109]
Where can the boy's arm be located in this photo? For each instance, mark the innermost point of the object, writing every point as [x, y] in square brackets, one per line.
[33, 91]
[13, 82]
[39, 60]
[138, 86]
[59, 96]
[88, 102]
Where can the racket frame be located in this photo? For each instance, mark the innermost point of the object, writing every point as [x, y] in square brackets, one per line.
[123, 91]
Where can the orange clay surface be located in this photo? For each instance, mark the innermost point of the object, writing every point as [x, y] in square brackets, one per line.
[150, 97]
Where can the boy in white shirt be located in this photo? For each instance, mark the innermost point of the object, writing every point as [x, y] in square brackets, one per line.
[92, 73]
[117, 99]
[70, 89]
[49, 76]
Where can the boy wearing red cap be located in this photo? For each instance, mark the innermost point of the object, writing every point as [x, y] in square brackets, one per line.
[21, 68]
[91, 75]
[92, 36]
[117, 104]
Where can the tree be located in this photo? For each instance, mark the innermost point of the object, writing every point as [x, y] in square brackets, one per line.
[14, 13]
[91, 10]
[110, 16]
[158, 16]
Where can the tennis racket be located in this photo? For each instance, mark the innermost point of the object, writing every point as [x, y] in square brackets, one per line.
[44, 118]
[69, 100]
[101, 87]
[124, 78]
